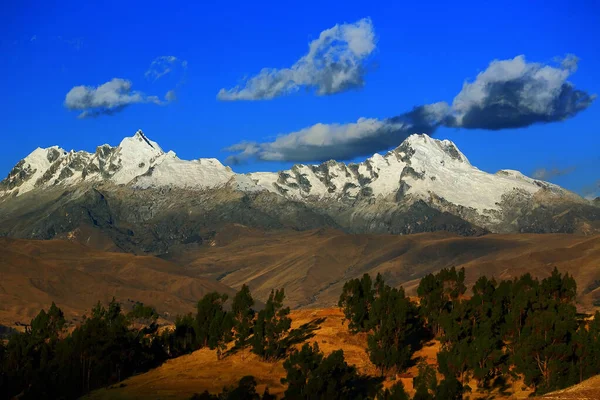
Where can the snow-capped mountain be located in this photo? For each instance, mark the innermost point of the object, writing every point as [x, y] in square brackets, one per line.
[403, 191]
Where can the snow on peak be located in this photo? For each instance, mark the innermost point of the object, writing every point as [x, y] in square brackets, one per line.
[29, 170]
[428, 145]
[174, 172]
[140, 142]
[420, 168]
[134, 157]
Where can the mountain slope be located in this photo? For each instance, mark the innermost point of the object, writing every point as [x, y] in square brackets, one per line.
[36, 273]
[140, 198]
[313, 266]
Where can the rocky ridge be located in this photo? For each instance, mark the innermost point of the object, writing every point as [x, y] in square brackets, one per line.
[136, 188]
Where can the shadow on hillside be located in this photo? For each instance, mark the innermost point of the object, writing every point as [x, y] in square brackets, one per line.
[295, 336]
[303, 333]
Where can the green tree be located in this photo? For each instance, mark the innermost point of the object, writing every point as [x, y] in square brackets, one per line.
[243, 315]
[587, 348]
[545, 351]
[310, 375]
[213, 324]
[396, 329]
[48, 325]
[425, 383]
[245, 390]
[523, 292]
[182, 339]
[356, 301]
[142, 314]
[272, 325]
[449, 389]
[437, 294]
[396, 392]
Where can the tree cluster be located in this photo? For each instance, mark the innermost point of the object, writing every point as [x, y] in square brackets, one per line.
[504, 330]
[245, 390]
[311, 375]
[515, 327]
[392, 321]
[215, 327]
[45, 362]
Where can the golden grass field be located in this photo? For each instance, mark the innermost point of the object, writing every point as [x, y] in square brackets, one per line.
[181, 377]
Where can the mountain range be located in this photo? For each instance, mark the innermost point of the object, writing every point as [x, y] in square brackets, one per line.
[136, 197]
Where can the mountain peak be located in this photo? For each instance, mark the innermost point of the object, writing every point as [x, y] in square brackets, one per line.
[430, 148]
[139, 141]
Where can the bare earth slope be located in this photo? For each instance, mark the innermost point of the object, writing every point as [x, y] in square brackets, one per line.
[586, 390]
[313, 266]
[35, 273]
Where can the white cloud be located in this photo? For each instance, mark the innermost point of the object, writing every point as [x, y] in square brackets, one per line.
[592, 191]
[335, 62]
[546, 174]
[322, 142]
[515, 93]
[171, 95]
[508, 94]
[162, 65]
[106, 99]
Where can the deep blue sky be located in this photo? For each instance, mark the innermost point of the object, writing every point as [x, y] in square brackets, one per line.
[425, 51]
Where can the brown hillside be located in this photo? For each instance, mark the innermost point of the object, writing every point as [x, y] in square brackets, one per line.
[313, 266]
[35, 273]
[181, 377]
[586, 390]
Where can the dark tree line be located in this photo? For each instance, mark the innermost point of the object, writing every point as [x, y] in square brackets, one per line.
[394, 326]
[46, 361]
[521, 327]
[266, 332]
[245, 390]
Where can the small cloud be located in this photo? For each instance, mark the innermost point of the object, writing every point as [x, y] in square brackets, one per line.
[76, 43]
[335, 62]
[33, 38]
[592, 191]
[569, 62]
[171, 95]
[106, 99]
[163, 65]
[545, 174]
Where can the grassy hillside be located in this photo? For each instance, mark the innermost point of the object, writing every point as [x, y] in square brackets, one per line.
[36, 273]
[181, 377]
[313, 266]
